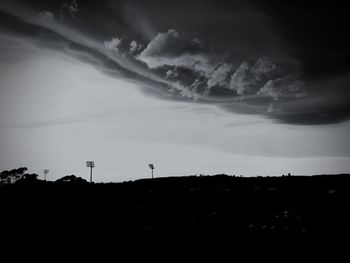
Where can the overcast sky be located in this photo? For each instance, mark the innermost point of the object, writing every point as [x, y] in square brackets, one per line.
[195, 87]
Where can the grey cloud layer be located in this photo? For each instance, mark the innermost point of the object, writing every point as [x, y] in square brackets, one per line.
[196, 68]
[213, 76]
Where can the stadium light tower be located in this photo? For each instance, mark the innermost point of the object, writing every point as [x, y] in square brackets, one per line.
[46, 171]
[90, 164]
[151, 166]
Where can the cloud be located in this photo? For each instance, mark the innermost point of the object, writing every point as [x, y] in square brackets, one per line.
[262, 76]
[46, 16]
[182, 66]
[134, 46]
[240, 81]
[207, 77]
[162, 44]
[113, 44]
[288, 86]
[219, 76]
[171, 73]
[250, 77]
[170, 49]
[177, 88]
[271, 108]
[70, 9]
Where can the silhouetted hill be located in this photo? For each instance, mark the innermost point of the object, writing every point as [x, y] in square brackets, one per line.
[177, 219]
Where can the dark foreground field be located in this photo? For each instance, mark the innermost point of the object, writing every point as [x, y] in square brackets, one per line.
[185, 219]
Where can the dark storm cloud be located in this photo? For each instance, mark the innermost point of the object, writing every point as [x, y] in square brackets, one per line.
[287, 61]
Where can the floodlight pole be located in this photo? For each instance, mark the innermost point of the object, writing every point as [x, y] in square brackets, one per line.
[46, 171]
[151, 166]
[90, 164]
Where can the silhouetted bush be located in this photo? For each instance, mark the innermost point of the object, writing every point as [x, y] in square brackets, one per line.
[71, 179]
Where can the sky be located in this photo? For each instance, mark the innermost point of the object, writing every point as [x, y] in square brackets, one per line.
[195, 87]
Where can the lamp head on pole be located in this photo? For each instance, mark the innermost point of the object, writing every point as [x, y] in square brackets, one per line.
[151, 166]
[90, 164]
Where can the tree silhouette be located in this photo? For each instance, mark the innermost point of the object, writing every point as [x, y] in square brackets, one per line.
[28, 178]
[12, 176]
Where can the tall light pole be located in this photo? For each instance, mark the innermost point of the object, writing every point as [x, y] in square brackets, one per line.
[151, 166]
[90, 164]
[46, 171]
